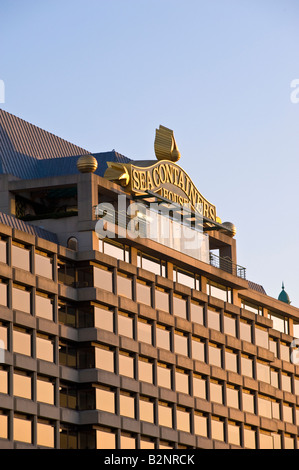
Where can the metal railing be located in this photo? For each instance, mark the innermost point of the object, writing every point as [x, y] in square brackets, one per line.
[226, 264]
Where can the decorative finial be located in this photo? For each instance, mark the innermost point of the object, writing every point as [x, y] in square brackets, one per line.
[87, 164]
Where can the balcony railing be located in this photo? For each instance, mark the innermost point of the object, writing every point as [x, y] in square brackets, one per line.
[226, 264]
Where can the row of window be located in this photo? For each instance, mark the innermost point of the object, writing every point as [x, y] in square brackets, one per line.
[25, 430]
[24, 385]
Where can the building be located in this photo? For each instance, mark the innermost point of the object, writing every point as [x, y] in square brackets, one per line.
[130, 342]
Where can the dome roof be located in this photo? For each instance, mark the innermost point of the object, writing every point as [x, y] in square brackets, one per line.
[283, 296]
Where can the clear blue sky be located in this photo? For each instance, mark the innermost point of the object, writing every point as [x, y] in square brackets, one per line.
[105, 73]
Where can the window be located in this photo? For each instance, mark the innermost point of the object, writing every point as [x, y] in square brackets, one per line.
[144, 331]
[126, 364]
[146, 443]
[43, 264]
[231, 360]
[44, 348]
[286, 382]
[229, 324]
[289, 442]
[163, 337]
[219, 291]
[45, 390]
[127, 405]
[280, 323]
[245, 330]
[182, 381]
[3, 250]
[103, 278]
[284, 351]
[151, 264]
[104, 358]
[213, 319]
[273, 346]
[164, 375]
[217, 428]
[43, 306]
[165, 445]
[296, 382]
[287, 410]
[68, 355]
[3, 335]
[117, 250]
[199, 386]
[251, 307]
[180, 343]
[67, 314]
[45, 434]
[22, 384]
[105, 439]
[66, 273]
[124, 285]
[143, 292]
[186, 278]
[127, 441]
[196, 311]
[3, 292]
[249, 437]
[179, 306]
[266, 440]
[274, 377]
[162, 299]
[248, 401]
[198, 349]
[232, 396]
[246, 365]
[216, 391]
[68, 397]
[264, 406]
[125, 324]
[262, 371]
[20, 256]
[215, 355]
[200, 424]
[3, 425]
[146, 410]
[183, 419]
[22, 429]
[21, 298]
[103, 318]
[3, 380]
[233, 431]
[145, 368]
[165, 414]
[105, 399]
[261, 337]
[21, 342]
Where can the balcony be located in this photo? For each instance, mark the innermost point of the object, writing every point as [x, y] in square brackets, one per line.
[226, 264]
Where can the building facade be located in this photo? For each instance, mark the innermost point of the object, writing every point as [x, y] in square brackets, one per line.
[123, 342]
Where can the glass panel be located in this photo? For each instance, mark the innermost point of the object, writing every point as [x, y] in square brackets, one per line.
[3, 426]
[105, 400]
[126, 405]
[165, 415]
[274, 378]
[105, 440]
[187, 279]
[104, 359]
[196, 313]
[162, 300]
[44, 307]
[289, 442]
[127, 442]
[213, 319]
[43, 266]
[183, 420]
[214, 355]
[198, 349]
[163, 376]
[146, 444]
[287, 413]
[45, 391]
[245, 331]
[248, 402]
[124, 286]
[261, 337]
[230, 325]
[199, 387]
[125, 325]
[264, 407]
[181, 344]
[266, 440]
[231, 361]
[296, 382]
[22, 430]
[286, 384]
[126, 365]
[179, 306]
[276, 440]
[3, 294]
[284, 352]
[263, 372]
[216, 392]
[103, 319]
[3, 335]
[144, 331]
[21, 300]
[280, 323]
[114, 250]
[217, 429]
[220, 292]
[163, 338]
[20, 257]
[154, 266]
[3, 251]
[22, 385]
[232, 397]
[249, 438]
[3, 381]
[103, 279]
[45, 435]
[275, 409]
[143, 293]
[22, 342]
[200, 425]
[44, 349]
[145, 371]
[273, 347]
[182, 382]
[246, 366]
[146, 410]
[233, 434]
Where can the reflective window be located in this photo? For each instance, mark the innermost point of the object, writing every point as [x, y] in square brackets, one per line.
[165, 445]
[231, 360]
[233, 431]
[196, 311]
[43, 306]
[162, 299]
[276, 440]
[126, 364]
[22, 385]
[3, 426]
[151, 264]
[3, 293]
[261, 337]
[286, 382]
[20, 256]
[284, 351]
[199, 386]
[127, 441]
[275, 409]
[67, 314]
[124, 285]
[163, 337]
[45, 390]
[164, 375]
[144, 331]
[266, 440]
[296, 382]
[180, 343]
[145, 370]
[179, 306]
[44, 348]
[232, 396]
[104, 358]
[263, 371]
[198, 349]
[146, 443]
[45, 434]
[251, 307]
[186, 278]
[287, 410]
[230, 325]
[43, 265]
[143, 292]
[248, 401]
[22, 342]
[103, 278]
[3, 381]
[280, 323]
[105, 399]
[22, 429]
[216, 391]
[146, 410]
[200, 424]
[68, 356]
[213, 319]
[117, 250]
[273, 346]
[127, 405]
[264, 406]
[21, 298]
[3, 251]
[274, 377]
[3, 335]
[246, 365]
[215, 355]
[182, 381]
[249, 438]
[245, 330]
[125, 325]
[103, 318]
[220, 292]
[289, 442]
[217, 429]
[183, 419]
[165, 414]
[105, 439]
[67, 273]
